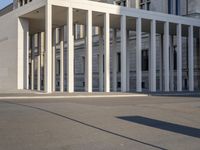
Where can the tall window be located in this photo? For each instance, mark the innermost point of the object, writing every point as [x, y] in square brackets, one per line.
[20, 2]
[83, 64]
[174, 7]
[119, 62]
[145, 60]
[145, 4]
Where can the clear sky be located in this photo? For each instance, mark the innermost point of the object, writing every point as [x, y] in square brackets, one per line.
[4, 3]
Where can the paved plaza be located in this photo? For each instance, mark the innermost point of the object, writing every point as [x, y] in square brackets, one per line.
[114, 123]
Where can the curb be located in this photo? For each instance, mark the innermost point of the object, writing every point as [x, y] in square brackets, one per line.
[73, 97]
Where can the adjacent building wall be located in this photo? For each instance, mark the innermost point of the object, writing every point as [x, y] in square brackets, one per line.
[8, 52]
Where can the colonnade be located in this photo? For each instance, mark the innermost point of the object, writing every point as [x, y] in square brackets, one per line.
[104, 45]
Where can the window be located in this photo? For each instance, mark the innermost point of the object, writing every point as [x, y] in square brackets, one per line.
[121, 2]
[58, 67]
[174, 7]
[119, 62]
[83, 64]
[20, 2]
[145, 4]
[148, 4]
[175, 60]
[145, 60]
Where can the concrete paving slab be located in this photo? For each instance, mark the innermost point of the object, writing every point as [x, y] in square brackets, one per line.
[95, 124]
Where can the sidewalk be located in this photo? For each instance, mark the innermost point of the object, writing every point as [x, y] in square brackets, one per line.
[25, 94]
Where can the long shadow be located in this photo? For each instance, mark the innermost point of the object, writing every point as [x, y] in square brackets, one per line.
[181, 129]
[86, 124]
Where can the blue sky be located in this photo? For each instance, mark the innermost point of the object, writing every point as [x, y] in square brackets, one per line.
[4, 3]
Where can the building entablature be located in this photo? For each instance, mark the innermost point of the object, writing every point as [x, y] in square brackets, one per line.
[107, 8]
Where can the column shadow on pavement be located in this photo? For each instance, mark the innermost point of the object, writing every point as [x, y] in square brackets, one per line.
[167, 126]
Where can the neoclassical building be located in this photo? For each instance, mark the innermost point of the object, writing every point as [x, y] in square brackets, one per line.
[100, 45]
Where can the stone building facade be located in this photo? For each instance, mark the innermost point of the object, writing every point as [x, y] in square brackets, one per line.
[187, 8]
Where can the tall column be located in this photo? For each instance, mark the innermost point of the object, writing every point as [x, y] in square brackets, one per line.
[114, 63]
[48, 53]
[161, 62]
[107, 52]
[39, 63]
[81, 31]
[123, 53]
[191, 58]
[101, 50]
[153, 57]
[54, 61]
[27, 48]
[62, 59]
[171, 63]
[70, 51]
[138, 55]
[149, 61]
[42, 55]
[32, 62]
[166, 56]
[88, 73]
[137, 4]
[179, 57]
[127, 63]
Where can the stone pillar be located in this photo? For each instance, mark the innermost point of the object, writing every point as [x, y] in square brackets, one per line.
[179, 57]
[127, 63]
[32, 62]
[138, 55]
[39, 63]
[54, 61]
[26, 58]
[191, 58]
[123, 53]
[171, 63]
[166, 56]
[137, 4]
[70, 52]
[48, 53]
[88, 58]
[42, 55]
[101, 50]
[114, 63]
[161, 62]
[107, 52]
[153, 57]
[62, 59]
[81, 31]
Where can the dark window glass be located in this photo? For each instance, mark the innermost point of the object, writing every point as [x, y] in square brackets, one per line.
[148, 5]
[175, 60]
[118, 84]
[83, 63]
[58, 67]
[145, 60]
[119, 62]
